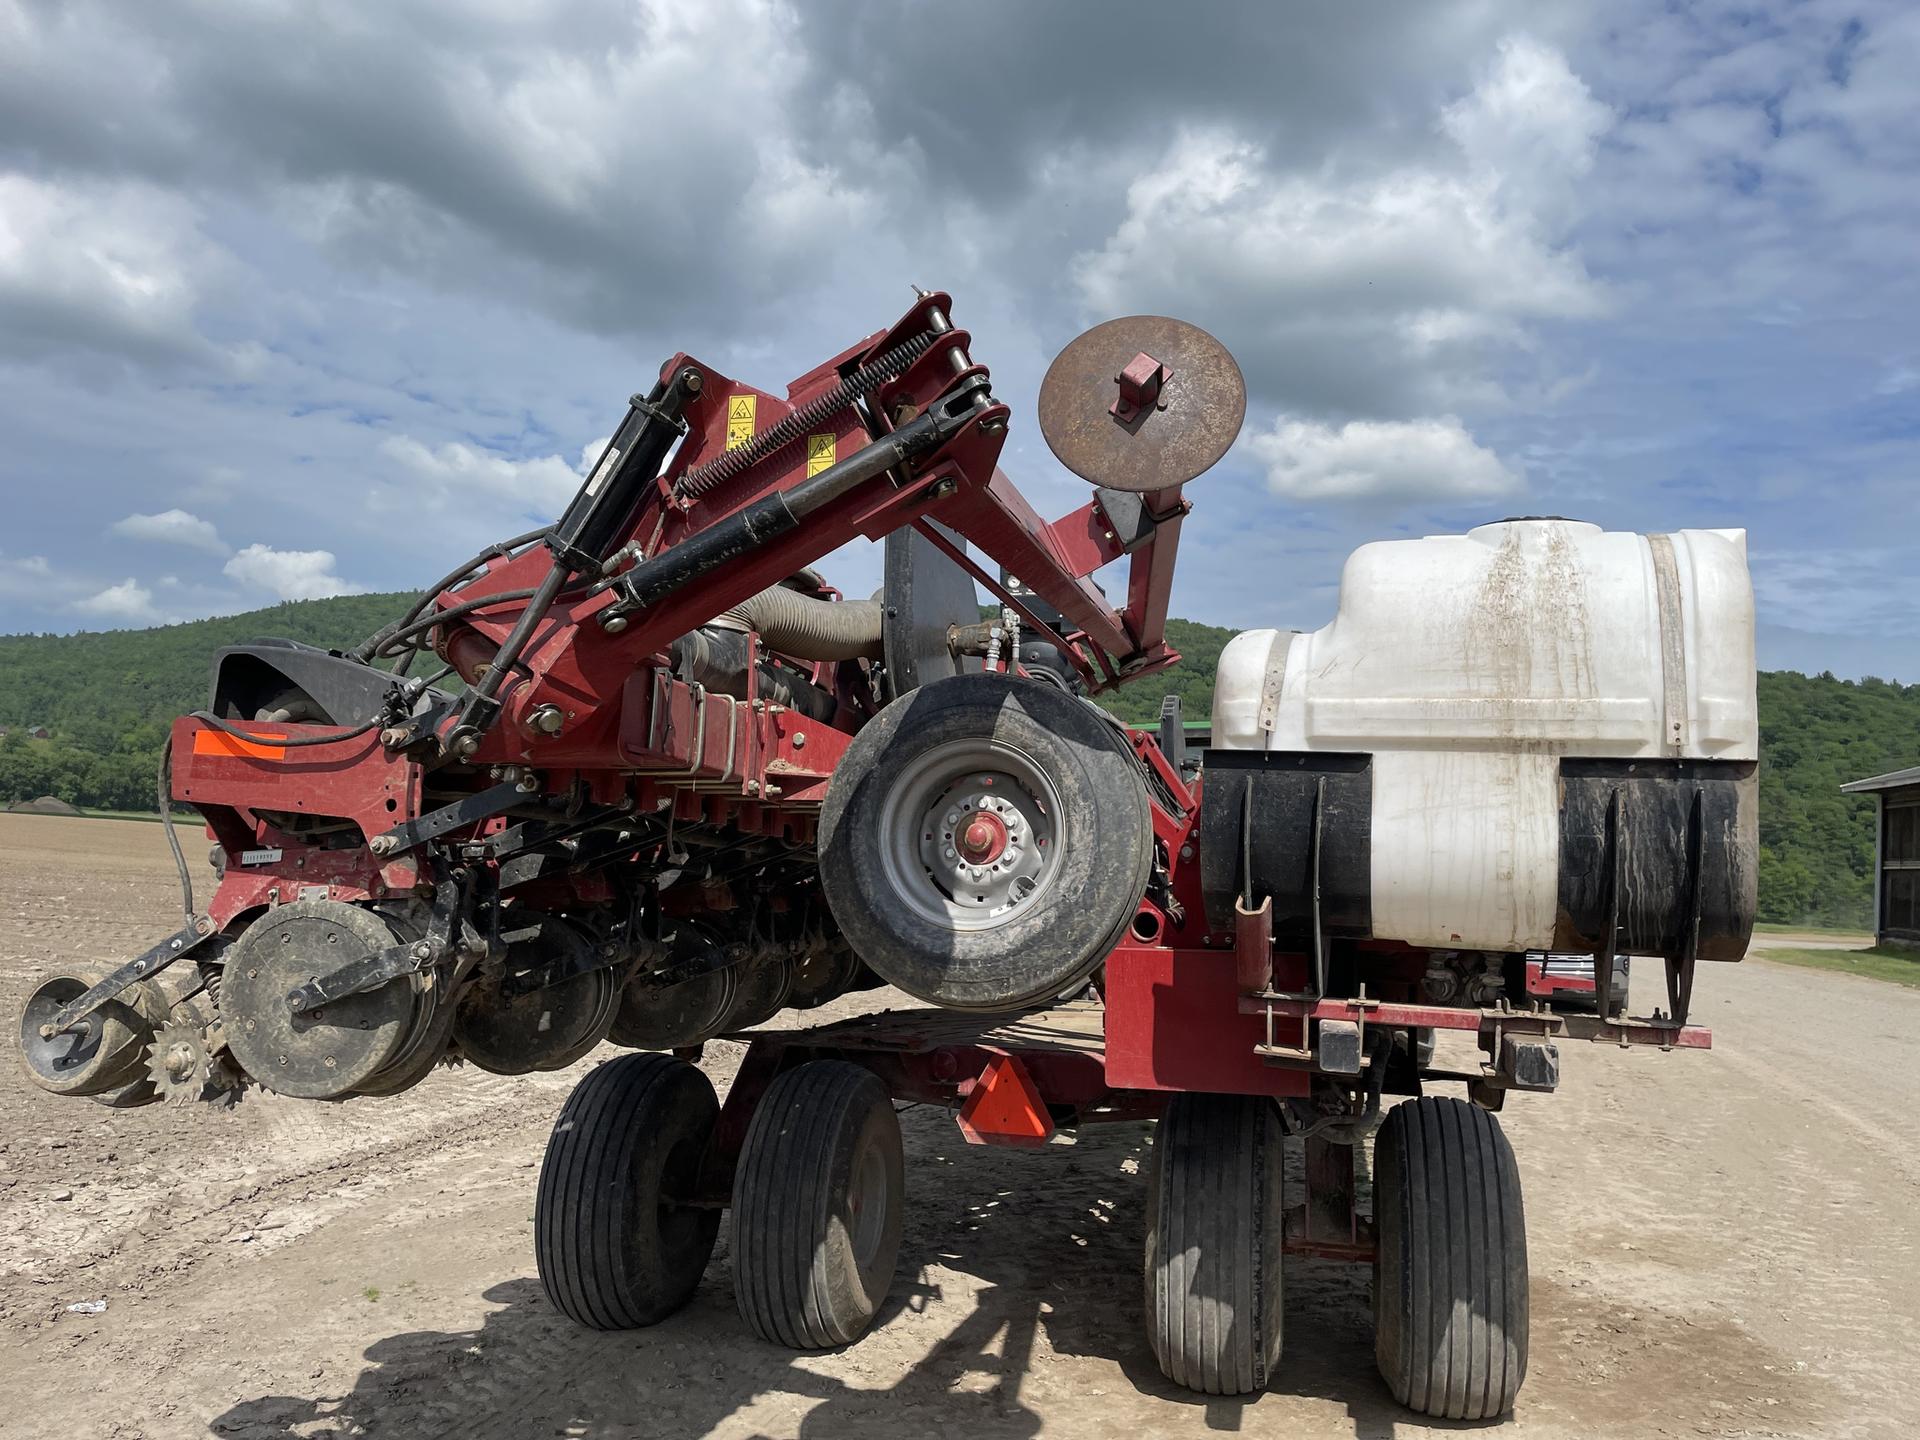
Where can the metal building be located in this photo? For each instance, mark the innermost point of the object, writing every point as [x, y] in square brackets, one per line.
[1896, 860]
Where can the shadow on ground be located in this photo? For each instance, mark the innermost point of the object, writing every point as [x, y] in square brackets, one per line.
[1018, 1297]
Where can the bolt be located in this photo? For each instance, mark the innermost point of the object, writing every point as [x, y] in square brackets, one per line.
[527, 784]
[422, 950]
[799, 739]
[393, 735]
[547, 719]
[329, 1062]
[945, 488]
[692, 380]
[753, 787]
[383, 844]
[466, 745]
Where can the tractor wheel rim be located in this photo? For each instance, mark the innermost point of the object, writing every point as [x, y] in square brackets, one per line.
[972, 835]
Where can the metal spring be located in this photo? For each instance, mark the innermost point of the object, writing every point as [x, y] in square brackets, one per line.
[798, 422]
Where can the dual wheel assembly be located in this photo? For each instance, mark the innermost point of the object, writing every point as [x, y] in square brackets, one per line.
[1450, 1259]
[623, 1233]
[624, 1229]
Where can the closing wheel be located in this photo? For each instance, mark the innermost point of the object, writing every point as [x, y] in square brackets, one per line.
[1450, 1270]
[985, 841]
[106, 1051]
[817, 1202]
[1214, 1230]
[616, 1242]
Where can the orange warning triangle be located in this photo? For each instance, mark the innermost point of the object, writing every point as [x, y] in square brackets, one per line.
[1004, 1107]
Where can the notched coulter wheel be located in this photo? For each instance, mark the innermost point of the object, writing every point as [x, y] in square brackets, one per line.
[985, 841]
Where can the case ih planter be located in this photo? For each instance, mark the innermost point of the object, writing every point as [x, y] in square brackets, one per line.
[686, 785]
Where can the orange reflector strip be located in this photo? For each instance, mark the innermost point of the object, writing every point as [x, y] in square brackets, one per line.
[218, 742]
[1004, 1107]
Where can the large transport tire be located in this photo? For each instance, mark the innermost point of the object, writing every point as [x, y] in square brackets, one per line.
[1214, 1231]
[614, 1245]
[817, 1206]
[1056, 807]
[1450, 1270]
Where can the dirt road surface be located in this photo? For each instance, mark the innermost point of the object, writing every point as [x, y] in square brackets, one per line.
[1723, 1244]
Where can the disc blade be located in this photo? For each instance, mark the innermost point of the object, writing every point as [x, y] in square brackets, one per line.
[1198, 414]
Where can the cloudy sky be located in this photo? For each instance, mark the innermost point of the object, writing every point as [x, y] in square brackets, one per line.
[300, 300]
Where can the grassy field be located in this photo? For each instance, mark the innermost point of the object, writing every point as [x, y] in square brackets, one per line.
[1881, 962]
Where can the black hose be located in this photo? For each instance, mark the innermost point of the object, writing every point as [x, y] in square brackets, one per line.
[452, 612]
[375, 643]
[255, 737]
[166, 824]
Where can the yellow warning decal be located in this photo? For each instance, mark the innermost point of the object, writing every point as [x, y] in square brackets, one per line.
[819, 454]
[740, 410]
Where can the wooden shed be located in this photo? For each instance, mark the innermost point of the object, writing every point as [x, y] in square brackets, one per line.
[1896, 859]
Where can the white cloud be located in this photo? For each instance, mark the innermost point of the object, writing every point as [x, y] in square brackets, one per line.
[173, 527]
[290, 574]
[129, 600]
[1532, 128]
[99, 265]
[1370, 292]
[1380, 460]
[590, 454]
[543, 484]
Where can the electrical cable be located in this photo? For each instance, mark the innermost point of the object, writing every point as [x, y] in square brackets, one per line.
[166, 823]
[207, 717]
[426, 622]
[501, 549]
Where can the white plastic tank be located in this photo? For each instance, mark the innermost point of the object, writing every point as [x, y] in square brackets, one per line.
[1469, 667]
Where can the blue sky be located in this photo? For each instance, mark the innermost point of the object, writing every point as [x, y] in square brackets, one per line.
[304, 300]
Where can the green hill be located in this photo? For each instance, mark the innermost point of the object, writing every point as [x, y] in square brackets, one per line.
[107, 699]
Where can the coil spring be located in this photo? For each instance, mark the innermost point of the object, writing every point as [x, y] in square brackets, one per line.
[211, 976]
[796, 423]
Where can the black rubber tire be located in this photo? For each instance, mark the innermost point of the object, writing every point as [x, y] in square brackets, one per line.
[1450, 1271]
[613, 1251]
[107, 1052]
[1104, 862]
[1214, 1232]
[797, 1275]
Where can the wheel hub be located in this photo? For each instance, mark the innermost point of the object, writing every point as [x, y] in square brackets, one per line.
[983, 838]
[983, 841]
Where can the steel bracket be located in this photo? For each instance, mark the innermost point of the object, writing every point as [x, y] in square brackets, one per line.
[142, 967]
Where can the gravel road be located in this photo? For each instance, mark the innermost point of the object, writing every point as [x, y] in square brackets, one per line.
[1723, 1244]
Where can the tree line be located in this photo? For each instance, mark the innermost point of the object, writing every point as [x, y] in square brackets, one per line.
[109, 698]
